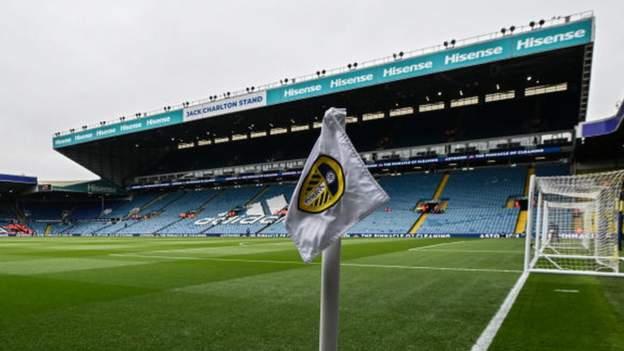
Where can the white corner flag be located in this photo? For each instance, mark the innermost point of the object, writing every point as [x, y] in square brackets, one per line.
[335, 191]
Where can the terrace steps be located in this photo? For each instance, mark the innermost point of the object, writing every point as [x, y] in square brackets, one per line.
[523, 215]
[436, 196]
[440, 189]
[522, 221]
[419, 222]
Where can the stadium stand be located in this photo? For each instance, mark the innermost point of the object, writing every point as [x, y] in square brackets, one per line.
[86, 223]
[6, 212]
[122, 210]
[476, 202]
[229, 200]
[399, 214]
[148, 219]
[262, 208]
[194, 204]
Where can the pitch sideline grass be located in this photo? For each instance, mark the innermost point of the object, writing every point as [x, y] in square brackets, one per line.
[254, 294]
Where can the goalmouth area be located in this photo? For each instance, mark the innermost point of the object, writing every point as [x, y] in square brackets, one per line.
[256, 294]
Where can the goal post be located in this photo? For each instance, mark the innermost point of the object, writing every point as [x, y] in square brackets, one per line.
[573, 224]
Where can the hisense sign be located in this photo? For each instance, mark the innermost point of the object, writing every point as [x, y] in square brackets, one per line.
[502, 48]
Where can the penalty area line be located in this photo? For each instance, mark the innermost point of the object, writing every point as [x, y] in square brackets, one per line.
[488, 334]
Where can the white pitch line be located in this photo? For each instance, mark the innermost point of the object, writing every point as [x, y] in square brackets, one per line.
[359, 265]
[435, 245]
[569, 291]
[477, 251]
[155, 256]
[488, 334]
[432, 268]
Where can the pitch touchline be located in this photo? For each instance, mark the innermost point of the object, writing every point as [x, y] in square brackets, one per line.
[359, 265]
[488, 334]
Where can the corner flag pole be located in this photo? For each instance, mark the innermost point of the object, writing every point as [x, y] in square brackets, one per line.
[330, 288]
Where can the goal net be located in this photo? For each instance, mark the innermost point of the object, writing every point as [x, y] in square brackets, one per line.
[573, 224]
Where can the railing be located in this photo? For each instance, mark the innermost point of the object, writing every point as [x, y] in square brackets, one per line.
[554, 21]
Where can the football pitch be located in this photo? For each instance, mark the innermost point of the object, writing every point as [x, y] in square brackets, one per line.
[256, 294]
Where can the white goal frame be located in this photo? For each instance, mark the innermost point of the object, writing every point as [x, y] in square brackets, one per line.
[573, 225]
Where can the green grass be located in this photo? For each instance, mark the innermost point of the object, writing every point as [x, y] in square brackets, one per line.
[255, 294]
[556, 312]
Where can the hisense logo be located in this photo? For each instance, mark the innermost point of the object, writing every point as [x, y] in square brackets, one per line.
[340, 82]
[84, 136]
[393, 71]
[127, 127]
[305, 90]
[549, 39]
[473, 55]
[158, 121]
[62, 141]
[105, 132]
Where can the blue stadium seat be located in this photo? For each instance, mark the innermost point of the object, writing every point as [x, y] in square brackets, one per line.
[476, 202]
[399, 214]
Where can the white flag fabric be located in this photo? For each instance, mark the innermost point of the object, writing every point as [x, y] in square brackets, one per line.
[335, 190]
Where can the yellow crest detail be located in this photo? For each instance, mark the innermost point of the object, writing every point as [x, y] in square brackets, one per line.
[322, 187]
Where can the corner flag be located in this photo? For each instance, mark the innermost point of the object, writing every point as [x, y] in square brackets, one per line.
[335, 190]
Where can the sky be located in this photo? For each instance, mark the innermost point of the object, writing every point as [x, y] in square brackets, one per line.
[64, 64]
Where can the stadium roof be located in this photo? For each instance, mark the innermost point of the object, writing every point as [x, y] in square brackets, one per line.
[555, 34]
[601, 146]
[602, 126]
[559, 57]
[16, 184]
